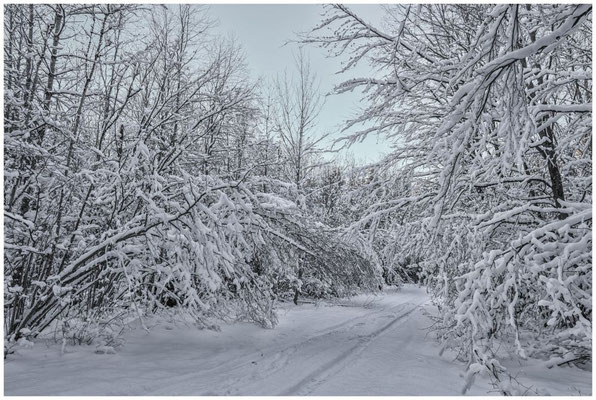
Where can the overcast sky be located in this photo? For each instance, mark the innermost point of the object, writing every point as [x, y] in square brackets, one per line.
[263, 29]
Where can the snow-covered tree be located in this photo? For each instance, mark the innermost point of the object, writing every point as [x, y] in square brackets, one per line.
[132, 183]
[488, 109]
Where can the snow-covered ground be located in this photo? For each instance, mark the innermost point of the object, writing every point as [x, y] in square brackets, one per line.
[367, 345]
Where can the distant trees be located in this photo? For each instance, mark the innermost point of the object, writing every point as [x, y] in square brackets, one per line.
[299, 105]
[489, 108]
[133, 181]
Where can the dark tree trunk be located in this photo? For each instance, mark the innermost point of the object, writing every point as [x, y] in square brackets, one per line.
[297, 291]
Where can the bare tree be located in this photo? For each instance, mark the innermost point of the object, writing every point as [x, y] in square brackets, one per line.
[299, 105]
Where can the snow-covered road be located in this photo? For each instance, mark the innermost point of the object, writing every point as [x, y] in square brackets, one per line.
[369, 345]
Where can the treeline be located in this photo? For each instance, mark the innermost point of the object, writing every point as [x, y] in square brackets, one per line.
[145, 171]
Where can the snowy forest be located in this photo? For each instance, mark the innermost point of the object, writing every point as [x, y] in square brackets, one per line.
[148, 173]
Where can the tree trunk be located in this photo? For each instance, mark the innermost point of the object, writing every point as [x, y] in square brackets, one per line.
[297, 291]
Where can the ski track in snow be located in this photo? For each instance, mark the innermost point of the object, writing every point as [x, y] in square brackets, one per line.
[364, 349]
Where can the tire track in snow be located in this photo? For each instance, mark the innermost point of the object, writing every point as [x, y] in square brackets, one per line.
[276, 358]
[306, 385]
[280, 356]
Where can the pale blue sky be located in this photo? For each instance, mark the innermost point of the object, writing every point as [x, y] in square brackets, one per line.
[262, 30]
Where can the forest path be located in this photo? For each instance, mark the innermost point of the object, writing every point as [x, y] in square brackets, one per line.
[365, 345]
